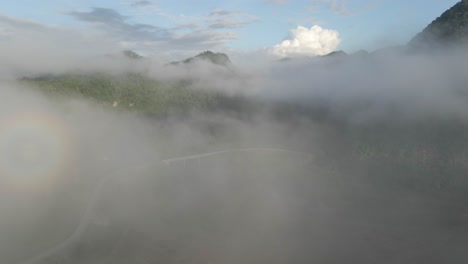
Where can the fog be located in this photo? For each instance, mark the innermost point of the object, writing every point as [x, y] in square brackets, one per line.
[280, 182]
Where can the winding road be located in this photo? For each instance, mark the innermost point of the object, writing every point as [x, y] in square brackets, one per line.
[87, 215]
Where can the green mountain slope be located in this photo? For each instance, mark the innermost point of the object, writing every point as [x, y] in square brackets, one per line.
[450, 28]
[128, 91]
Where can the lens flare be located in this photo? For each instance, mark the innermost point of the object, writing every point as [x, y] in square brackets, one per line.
[34, 151]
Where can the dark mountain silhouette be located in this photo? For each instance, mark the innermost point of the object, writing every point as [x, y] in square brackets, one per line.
[336, 54]
[131, 54]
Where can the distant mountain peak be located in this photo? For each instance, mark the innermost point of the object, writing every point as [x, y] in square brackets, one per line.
[131, 54]
[338, 53]
[215, 58]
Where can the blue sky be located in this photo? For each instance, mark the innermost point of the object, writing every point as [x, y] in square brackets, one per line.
[240, 25]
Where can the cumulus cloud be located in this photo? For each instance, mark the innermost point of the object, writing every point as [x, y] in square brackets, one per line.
[308, 42]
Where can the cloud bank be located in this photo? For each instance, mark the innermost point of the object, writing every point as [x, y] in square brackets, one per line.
[329, 206]
[237, 205]
[308, 42]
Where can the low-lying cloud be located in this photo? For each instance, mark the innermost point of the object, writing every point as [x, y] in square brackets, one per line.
[279, 182]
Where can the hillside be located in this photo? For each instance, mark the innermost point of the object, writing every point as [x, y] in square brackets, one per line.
[215, 58]
[448, 29]
[131, 91]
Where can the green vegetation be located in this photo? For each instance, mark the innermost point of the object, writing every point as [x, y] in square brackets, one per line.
[451, 27]
[423, 153]
[131, 91]
[428, 152]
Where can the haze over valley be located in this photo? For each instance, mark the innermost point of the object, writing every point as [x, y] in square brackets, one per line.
[125, 139]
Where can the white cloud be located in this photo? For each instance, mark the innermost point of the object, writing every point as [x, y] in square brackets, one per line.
[308, 42]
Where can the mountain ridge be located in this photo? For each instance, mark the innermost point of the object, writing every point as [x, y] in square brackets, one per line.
[450, 28]
[216, 58]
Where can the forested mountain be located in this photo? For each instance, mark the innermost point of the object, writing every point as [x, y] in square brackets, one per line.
[448, 29]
